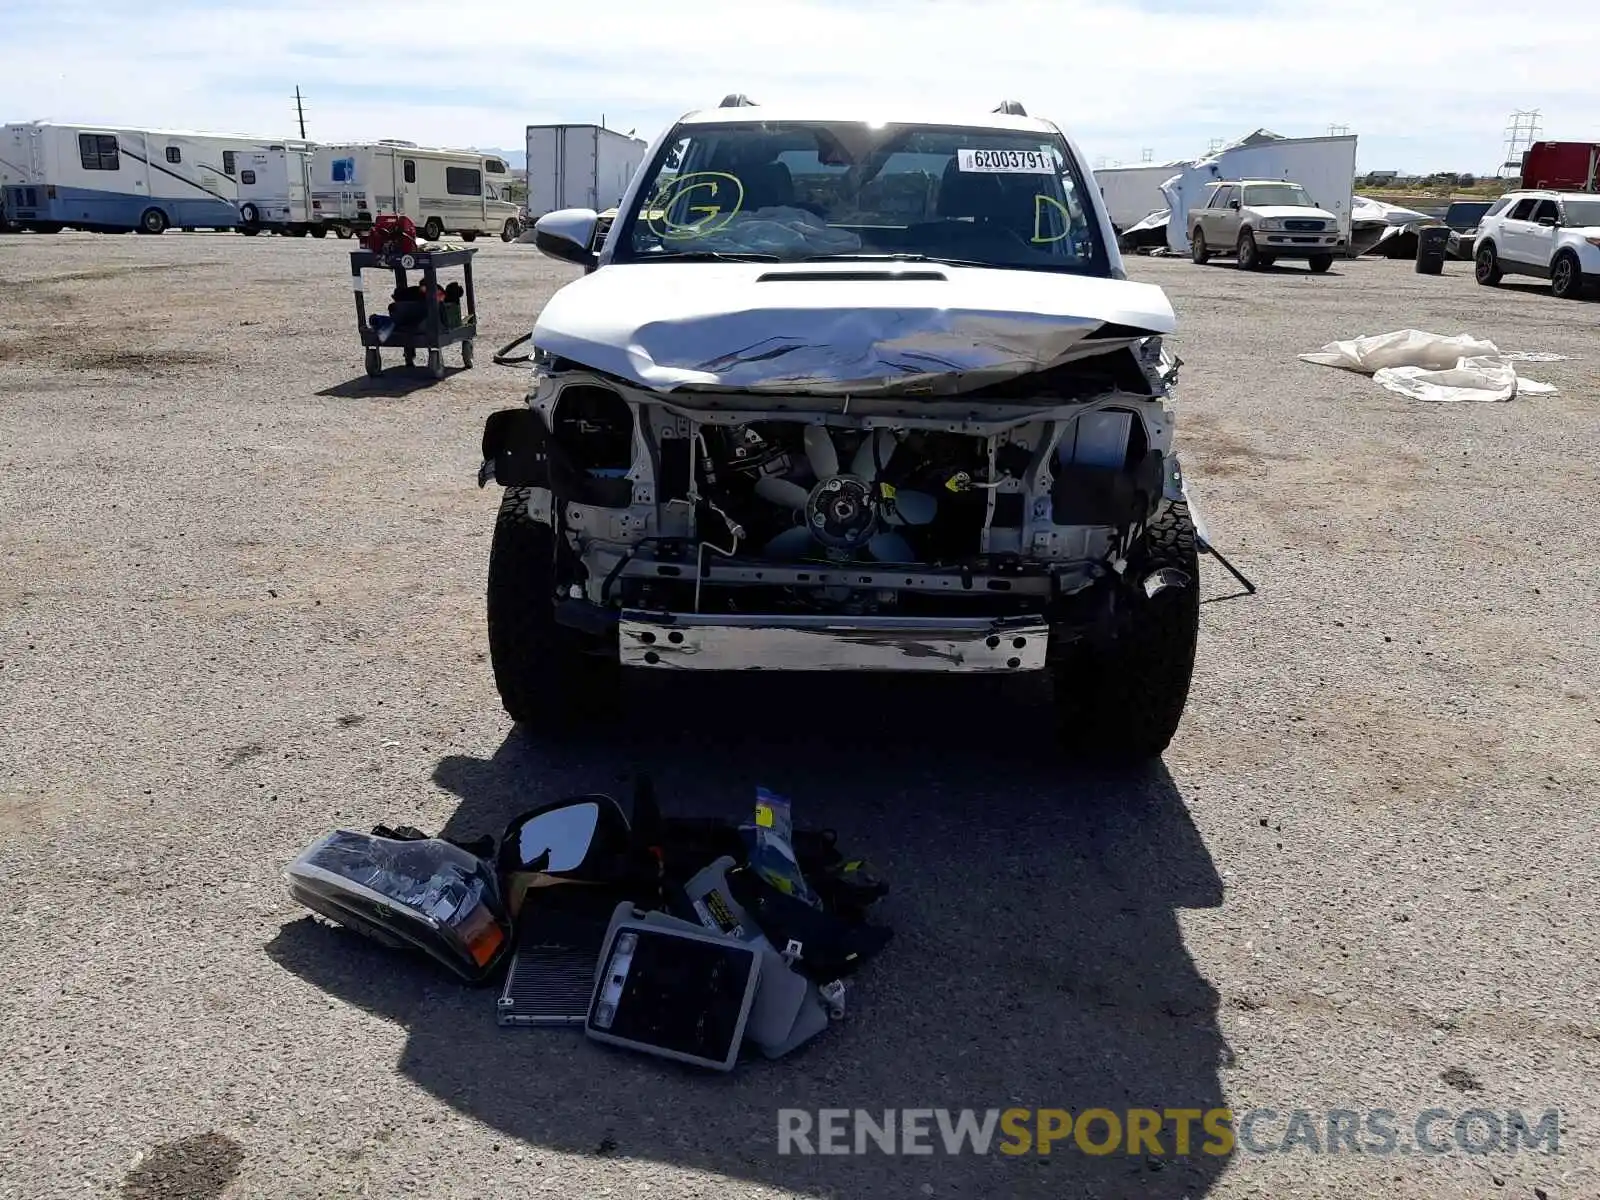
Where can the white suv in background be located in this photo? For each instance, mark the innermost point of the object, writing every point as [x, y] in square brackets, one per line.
[1550, 235]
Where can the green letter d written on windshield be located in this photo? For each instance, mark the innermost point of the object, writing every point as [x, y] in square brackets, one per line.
[1041, 218]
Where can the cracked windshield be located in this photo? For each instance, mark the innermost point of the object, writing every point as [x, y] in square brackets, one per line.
[817, 192]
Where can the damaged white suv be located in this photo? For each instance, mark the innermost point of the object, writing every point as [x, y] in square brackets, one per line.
[839, 395]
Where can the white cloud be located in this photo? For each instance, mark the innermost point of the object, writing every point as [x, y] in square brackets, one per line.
[1420, 87]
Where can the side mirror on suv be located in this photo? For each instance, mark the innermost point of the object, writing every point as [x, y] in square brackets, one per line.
[1234, 204]
[568, 235]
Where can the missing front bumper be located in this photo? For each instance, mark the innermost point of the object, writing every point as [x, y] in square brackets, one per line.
[767, 643]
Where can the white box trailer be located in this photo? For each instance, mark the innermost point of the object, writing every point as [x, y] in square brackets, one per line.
[275, 194]
[579, 166]
[112, 179]
[1133, 193]
[1324, 166]
[442, 191]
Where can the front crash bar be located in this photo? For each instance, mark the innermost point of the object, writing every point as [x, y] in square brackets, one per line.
[968, 645]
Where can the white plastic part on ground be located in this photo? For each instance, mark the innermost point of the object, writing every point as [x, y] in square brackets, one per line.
[1431, 366]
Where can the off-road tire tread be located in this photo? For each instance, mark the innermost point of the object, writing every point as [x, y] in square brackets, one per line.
[540, 668]
[1120, 704]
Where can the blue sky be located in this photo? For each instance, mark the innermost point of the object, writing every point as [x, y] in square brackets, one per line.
[1424, 87]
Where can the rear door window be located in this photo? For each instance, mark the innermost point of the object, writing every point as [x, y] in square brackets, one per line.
[1523, 211]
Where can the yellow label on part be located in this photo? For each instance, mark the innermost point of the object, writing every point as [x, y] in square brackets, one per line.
[888, 490]
[764, 816]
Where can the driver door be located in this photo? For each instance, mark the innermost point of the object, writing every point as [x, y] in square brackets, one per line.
[1228, 218]
[1209, 218]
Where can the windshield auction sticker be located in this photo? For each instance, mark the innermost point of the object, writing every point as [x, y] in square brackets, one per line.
[1006, 162]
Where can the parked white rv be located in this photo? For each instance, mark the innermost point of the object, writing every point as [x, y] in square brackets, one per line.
[11, 169]
[442, 191]
[275, 194]
[109, 179]
[579, 166]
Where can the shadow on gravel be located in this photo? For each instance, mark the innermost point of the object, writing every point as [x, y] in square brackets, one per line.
[1037, 958]
[396, 381]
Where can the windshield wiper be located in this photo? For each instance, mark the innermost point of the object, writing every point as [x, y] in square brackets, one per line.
[910, 258]
[938, 258]
[708, 256]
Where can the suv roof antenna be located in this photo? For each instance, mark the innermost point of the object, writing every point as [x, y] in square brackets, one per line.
[1012, 108]
[737, 100]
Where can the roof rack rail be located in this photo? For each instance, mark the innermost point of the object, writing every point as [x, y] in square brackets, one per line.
[737, 100]
[1012, 108]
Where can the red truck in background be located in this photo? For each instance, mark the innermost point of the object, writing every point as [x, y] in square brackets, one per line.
[1562, 166]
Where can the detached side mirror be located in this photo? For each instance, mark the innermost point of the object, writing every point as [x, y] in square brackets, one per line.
[568, 235]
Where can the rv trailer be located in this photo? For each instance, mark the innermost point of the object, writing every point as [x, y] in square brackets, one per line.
[579, 166]
[112, 180]
[11, 170]
[442, 191]
[275, 194]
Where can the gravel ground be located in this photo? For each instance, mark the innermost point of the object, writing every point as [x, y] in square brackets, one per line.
[241, 603]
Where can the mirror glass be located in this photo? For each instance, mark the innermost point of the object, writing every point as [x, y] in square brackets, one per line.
[566, 833]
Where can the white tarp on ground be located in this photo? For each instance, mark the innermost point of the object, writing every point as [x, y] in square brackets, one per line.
[1431, 366]
[1324, 166]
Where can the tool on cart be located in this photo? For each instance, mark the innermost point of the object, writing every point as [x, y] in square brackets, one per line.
[421, 315]
[393, 236]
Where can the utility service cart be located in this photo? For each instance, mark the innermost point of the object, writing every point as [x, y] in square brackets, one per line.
[426, 323]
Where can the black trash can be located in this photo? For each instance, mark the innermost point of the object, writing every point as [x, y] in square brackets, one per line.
[1432, 244]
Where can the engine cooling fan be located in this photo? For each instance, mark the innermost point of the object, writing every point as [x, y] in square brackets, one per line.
[846, 513]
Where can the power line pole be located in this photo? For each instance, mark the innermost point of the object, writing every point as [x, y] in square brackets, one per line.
[1521, 133]
[300, 111]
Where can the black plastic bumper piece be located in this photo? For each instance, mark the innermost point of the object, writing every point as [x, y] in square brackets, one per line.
[523, 453]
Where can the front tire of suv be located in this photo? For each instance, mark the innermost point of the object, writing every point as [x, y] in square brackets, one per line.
[1319, 263]
[1249, 257]
[1197, 247]
[544, 672]
[1120, 702]
[1566, 277]
[1486, 266]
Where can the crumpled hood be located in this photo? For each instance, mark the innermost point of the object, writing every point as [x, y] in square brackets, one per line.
[1293, 212]
[837, 328]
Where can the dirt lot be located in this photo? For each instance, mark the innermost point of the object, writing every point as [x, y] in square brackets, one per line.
[241, 603]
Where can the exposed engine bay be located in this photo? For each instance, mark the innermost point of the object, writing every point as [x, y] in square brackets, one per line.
[998, 503]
